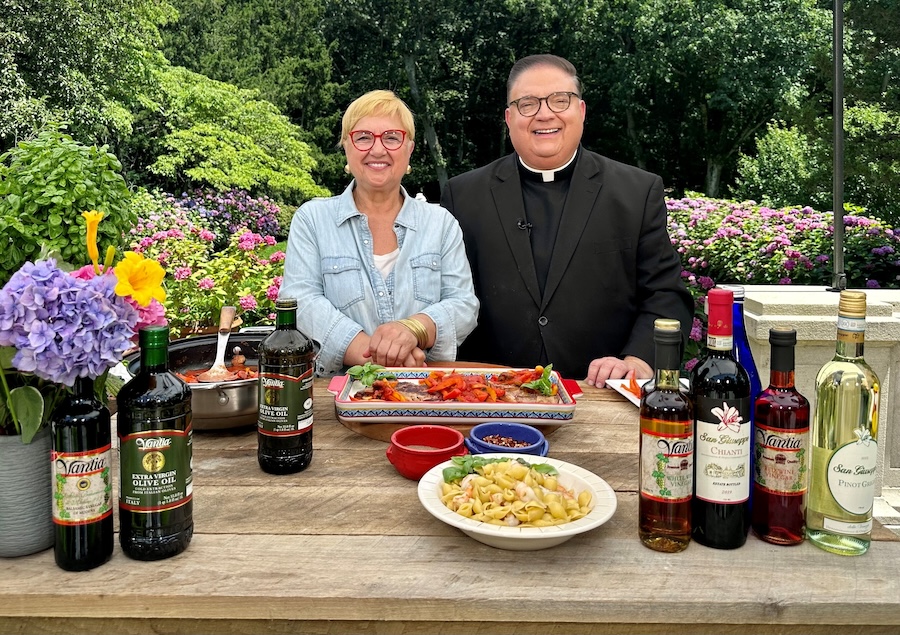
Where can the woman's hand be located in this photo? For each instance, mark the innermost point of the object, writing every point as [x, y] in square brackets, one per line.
[392, 344]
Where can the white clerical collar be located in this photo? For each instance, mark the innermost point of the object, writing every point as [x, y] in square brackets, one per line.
[548, 175]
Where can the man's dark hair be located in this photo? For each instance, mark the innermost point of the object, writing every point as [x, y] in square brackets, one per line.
[544, 59]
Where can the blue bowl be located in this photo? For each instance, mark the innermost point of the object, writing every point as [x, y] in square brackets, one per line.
[537, 444]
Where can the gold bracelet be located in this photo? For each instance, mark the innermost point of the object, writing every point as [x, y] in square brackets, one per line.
[417, 329]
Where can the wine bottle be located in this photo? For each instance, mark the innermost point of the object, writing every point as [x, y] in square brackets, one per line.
[155, 455]
[844, 440]
[81, 461]
[781, 449]
[666, 448]
[720, 389]
[285, 423]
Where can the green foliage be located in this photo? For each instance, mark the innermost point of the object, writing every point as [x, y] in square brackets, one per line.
[45, 184]
[74, 61]
[214, 134]
[781, 171]
[791, 167]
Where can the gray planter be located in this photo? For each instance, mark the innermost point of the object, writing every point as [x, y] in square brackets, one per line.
[26, 512]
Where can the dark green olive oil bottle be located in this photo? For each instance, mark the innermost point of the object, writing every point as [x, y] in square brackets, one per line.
[155, 452]
[285, 423]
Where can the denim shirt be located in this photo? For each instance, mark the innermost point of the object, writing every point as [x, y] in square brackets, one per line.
[330, 269]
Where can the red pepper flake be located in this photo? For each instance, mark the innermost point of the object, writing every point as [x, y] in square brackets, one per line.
[505, 442]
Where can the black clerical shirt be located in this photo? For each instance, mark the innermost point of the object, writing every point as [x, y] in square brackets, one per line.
[544, 204]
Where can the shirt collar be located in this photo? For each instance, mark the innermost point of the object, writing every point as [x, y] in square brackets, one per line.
[547, 176]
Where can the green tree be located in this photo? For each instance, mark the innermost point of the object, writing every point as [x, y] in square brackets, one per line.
[80, 62]
[274, 47]
[199, 132]
[692, 83]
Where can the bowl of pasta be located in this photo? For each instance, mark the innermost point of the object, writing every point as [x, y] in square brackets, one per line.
[521, 502]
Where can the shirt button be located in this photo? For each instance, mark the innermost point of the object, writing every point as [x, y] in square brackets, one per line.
[334, 266]
[365, 242]
[381, 293]
[543, 320]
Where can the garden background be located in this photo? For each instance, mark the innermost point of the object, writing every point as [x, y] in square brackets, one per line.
[198, 126]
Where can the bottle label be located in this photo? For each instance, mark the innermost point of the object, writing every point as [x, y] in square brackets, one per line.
[667, 467]
[82, 486]
[781, 460]
[720, 342]
[723, 450]
[157, 470]
[851, 330]
[851, 473]
[285, 404]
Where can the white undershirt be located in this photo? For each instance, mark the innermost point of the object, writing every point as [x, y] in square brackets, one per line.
[385, 263]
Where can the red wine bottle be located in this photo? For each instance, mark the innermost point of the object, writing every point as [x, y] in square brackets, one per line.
[781, 449]
[720, 390]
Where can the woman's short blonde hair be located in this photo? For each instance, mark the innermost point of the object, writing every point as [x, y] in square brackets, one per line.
[377, 102]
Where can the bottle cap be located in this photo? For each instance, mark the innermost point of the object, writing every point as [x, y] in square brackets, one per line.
[736, 289]
[286, 303]
[718, 308]
[782, 336]
[153, 337]
[852, 304]
[666, 330]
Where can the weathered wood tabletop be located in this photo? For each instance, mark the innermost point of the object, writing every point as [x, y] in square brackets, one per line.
[346, 547]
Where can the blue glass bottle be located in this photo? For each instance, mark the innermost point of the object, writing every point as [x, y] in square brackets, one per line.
[742, 352]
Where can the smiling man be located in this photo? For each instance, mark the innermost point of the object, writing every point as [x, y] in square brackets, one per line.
[570, 253]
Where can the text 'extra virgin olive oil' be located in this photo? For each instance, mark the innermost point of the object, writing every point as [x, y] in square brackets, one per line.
[286, 368]
[82, 480]
[155, 455]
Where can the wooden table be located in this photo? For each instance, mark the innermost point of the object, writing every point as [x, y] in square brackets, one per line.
[345, 547]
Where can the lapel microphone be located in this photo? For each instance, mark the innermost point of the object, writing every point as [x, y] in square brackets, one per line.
[521, 223]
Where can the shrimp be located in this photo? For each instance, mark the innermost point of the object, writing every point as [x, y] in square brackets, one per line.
[525, 493]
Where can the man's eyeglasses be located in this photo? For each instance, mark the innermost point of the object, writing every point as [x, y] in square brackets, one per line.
[529, 105]
[363, 140]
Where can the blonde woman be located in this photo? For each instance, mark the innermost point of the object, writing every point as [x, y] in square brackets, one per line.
[379, 275]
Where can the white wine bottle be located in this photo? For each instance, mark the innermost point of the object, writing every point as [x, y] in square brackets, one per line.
[844, 440]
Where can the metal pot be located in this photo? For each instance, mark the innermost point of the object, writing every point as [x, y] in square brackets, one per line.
[216, 405]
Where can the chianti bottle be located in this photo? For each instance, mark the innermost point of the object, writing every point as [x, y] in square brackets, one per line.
[720, 389]
[82, 484]
[781, 449]
[844, 440]
[666, 448]
[285, 423]
[155, 454]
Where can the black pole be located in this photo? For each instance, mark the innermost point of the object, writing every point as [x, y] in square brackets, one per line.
[839, 281]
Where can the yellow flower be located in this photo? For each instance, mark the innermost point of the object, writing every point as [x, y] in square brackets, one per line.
[93, 218]
[140, 278]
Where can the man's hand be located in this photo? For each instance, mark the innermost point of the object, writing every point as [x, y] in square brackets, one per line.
[614, 368]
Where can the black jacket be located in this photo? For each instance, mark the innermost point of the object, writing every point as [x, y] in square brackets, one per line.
[613, 270]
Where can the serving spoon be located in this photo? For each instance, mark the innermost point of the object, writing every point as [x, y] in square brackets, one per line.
[218, 371]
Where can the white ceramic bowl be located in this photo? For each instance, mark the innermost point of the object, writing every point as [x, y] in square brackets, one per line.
[524, 538]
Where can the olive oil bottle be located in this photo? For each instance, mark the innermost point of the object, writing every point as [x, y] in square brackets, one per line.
[285, 423]
[155, 453]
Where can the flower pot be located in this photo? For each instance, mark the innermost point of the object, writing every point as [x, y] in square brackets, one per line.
[26, 512]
